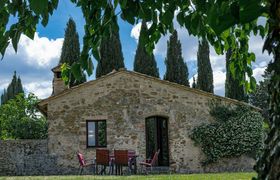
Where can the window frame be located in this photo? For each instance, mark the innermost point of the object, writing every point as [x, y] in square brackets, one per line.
[96, 133]
[58, 75]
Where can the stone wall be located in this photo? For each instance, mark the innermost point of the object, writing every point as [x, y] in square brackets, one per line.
[125, 99]
[26, 157]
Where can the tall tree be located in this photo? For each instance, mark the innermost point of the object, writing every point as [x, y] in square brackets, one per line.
[233, 87]
[194, 83]
[144, 62]
[260, 97]
[4, 97]
[176, 68]
[14, 88]
[111, 56]
[204, 69]
[70, 53]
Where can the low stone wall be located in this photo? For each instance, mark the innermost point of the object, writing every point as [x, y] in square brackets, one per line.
[28, 157]
[242, 163]
[31, 157]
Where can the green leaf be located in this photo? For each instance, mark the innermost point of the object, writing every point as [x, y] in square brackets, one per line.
[3, 48]
[167, 17]
[218, 47]
[123, 3]
[55, 3]
[30, 32]
[4, 42]
[251, 12]
[39, 6]
[65, 71]
[128, 16]
[181, 18]
[220, 18]
[253, 83]
[15, 39]
[116, 2]
[232, 69]
[234, 7]
[225, 34]
[251, 58]
[45, 20]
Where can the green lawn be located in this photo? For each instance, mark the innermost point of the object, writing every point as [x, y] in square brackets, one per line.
[220, 176]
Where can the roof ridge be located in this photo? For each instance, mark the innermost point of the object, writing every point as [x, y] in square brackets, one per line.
[123, 70]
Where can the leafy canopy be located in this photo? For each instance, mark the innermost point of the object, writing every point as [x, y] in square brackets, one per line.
[223, 23]
[20, 119]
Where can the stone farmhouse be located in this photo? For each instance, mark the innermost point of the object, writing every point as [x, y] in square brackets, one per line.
[129, 110]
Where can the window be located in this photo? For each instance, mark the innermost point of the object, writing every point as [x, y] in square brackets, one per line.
[58, 75]
[96, 133]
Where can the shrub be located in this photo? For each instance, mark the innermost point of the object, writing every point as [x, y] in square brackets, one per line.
[237, 131]
[20, 119]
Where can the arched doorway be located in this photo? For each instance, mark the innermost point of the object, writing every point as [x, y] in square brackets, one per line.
[157, 138]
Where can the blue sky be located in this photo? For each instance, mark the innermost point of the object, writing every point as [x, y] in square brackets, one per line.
[35, 58]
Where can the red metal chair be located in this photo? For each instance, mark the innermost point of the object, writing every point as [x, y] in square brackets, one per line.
[103, 159]
[121, 159]
[82, 163]
[150, 163]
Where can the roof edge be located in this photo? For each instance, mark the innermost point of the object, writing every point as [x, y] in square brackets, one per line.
[122, 70]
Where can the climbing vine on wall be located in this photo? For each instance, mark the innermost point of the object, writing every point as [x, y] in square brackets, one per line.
[236, 131]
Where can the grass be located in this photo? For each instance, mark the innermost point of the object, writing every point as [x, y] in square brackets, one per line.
[213, 176]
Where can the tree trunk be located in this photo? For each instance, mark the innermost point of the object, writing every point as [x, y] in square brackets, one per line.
[268, 166]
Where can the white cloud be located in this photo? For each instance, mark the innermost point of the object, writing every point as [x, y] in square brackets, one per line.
[219, 78]
[40, 51]
[40, 89]
[4, 84]
[33, 63]
[258, 72]
[135, 32]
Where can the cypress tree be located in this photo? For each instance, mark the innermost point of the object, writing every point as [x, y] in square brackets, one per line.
[111, 56]
[4, 97]
[19, 88]
[144, 62]
[233, 87]
[260, 97]
[71, 50]
[194, 83]
[14, 88]
[176, 68]
[205, 73]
